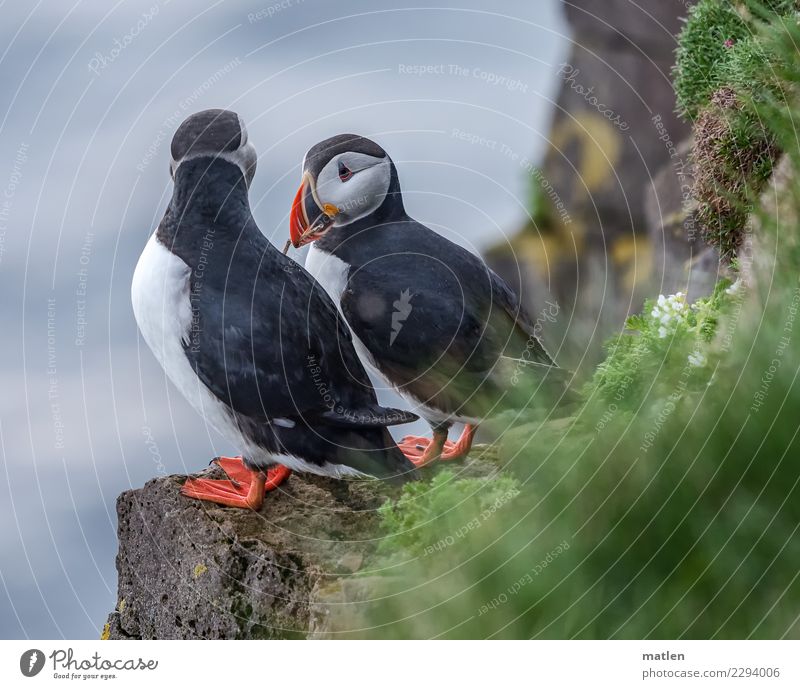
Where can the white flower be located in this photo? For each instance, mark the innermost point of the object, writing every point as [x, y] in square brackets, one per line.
[698, 359]
[677, 302]
[735, 287]
[669, 312]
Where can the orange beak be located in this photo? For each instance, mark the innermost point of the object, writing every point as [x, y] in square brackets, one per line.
[301, 230]
[298, 223]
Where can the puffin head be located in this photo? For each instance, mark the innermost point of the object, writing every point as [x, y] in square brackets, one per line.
[214, 134]
[345, 178]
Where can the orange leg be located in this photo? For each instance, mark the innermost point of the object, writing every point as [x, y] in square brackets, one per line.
[245, 488]
[462, 447]
[422, 451]
[276, 476]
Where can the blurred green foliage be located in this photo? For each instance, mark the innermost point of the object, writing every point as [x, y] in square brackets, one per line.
[430, 514]
[669, 505]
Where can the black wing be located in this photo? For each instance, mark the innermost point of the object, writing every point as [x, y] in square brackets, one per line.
[423, 302]
[524, 325]
[271, 344]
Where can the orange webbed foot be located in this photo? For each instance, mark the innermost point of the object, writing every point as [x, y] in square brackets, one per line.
[422, 451]
[244, 488]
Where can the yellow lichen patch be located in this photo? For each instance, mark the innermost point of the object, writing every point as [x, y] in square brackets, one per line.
[543, 253]
[633, 256]
[106, 634]
[674, 221]
[199, 570]
[599, 144]
[546, 252]
[121, 605]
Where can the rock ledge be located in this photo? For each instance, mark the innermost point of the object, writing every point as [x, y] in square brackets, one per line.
[194, 570]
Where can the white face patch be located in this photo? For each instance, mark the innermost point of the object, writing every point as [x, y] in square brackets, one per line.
[362, 193]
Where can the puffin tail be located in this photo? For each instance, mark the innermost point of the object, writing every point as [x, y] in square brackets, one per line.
[373, 451]
[369, 417]
[370, 448]
[399, 469]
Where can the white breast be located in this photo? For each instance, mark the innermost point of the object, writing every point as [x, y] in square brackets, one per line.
[331, 272]
[160, 296]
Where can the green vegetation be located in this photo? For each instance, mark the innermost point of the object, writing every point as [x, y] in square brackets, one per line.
[726, 68]
[712, 28]
[540, 208]
[669, 506]
[669, 333]
[430, 514]
[733, 155]
[747, 70]
[721, 45]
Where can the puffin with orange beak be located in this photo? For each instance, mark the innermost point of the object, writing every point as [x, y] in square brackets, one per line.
[428, 317]
[248, 337]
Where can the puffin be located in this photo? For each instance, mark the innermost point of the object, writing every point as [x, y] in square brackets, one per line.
[247, 335]
[429, 318]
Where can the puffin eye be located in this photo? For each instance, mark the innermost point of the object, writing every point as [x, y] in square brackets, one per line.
[345, 172]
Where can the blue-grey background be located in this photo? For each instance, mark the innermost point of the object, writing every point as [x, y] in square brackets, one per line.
[92, 92]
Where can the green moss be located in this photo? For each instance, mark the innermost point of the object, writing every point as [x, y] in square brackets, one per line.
[733, 156]
[721, 45]
[428, 512]
[703, 48]
[540, 206]
[274, 626]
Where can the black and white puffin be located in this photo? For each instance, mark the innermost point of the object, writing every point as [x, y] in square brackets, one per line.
[429, 317]
[248, 336]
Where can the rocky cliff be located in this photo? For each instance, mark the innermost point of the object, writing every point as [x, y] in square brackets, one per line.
[297, 568]
[190, 569]
[613, 131]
